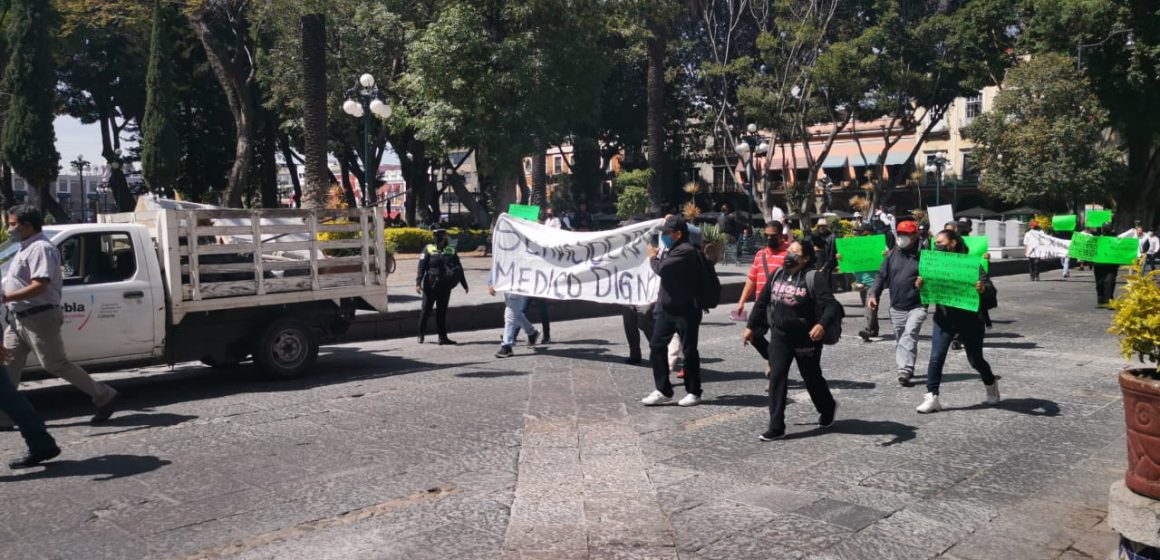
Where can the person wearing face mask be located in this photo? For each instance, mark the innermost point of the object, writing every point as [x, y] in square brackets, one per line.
[907, 313]
[798, 307]
[766, 262]
[676, 312]
[439, 272]
[32, 295]
[951, 322]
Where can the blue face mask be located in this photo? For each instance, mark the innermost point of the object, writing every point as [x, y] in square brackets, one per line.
[666, 241]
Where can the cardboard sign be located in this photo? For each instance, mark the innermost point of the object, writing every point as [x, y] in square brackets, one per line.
[1063, 223]
[861, 254]
[1097, 218]
[1117, 250]
[939, 216]
[977, 246]
[1083, 247]
[528, 212]
[949, 279]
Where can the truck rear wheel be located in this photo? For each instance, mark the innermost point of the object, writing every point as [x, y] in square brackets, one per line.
[286, 349]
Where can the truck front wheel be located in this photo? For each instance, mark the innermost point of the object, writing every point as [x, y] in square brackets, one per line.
[287, 348]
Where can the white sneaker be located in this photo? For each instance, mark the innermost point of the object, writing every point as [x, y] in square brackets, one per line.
[654, 398]
[929, 404]
[690, 400]
[992, 393]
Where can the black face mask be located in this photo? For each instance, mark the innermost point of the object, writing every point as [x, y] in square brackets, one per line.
[773, 242]
[790, 260]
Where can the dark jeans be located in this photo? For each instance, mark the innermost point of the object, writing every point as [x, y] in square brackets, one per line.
[435, 296]
[970, 333]
[545, 321]
[17, 407]
[759, 343]
[666, 323]
[636, 321]
[1105, 282]
[1033, 267]
[809, 360]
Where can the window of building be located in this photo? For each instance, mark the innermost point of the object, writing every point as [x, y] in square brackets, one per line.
[970, 168]
[974, 107]
[557, 165]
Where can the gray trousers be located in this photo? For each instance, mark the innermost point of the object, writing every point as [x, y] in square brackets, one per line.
[40, 333]
[869, 316]
[906, 327]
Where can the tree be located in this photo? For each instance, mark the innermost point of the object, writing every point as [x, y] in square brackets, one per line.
[1044, 137]
[314, 110]
[30, 80]
[160, 146]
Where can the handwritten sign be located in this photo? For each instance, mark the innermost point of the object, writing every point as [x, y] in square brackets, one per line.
[1097, 218]
[949, 279]
[606, 266]
[525, 211]
[1063, 223]
[1117, 250]
[1083, 247]
[861, 254]
[977, 246]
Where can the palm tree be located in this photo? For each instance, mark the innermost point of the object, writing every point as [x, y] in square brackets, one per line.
[314, 114]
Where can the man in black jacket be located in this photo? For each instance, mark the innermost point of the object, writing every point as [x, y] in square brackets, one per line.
[676, 312]
[439, 272]
[907, 313]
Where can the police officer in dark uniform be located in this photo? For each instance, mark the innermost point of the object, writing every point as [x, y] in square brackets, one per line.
[439, 272]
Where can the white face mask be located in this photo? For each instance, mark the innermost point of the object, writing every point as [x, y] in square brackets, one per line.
[905, 241]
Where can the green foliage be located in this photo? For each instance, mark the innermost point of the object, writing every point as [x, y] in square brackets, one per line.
[160, 148]
[711, 234]
[1044, 137]
[633, 197]
[1137, 318]
[469, 239]
[29, 82]
[409, 239]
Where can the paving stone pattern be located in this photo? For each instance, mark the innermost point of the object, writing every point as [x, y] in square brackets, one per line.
[408, 451]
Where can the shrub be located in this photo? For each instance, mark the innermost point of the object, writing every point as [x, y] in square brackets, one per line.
[1137, 318]
[633, 198]
[409, 239]
[469, 239]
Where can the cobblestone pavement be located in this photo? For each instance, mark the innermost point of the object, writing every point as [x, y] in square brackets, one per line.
[400, 450]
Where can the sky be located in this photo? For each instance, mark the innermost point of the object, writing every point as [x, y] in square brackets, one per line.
[74, 138]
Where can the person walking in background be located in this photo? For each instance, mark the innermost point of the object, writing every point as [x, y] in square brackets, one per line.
[676, 312]
[730, 226]
[863, 283]
[907, 313]
[1105, 274]
[439, 272]
[41, 446]
[581, 219]
[1153, 254]
[766, 262]
[514, 319]
[798, 308]
[1031, 250]
[32, 295]
[951, 322]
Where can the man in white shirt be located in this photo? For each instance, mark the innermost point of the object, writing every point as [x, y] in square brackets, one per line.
[1153, 259]
[554, 221]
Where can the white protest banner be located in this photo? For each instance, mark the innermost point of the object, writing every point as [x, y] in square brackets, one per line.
[939, 216]
[603, 266]
[1043, 246]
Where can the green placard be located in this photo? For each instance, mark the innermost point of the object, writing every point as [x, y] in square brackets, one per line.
[1063, 223]
[949, 279]
[977, 246]
[1083, 247]
[1117, 250]
[1097, 218]
[525, 211]
[861, 254]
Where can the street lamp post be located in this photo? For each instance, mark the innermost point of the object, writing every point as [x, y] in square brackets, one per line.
[936, 166]
[103, 191]
[749, 147]
[362, 99]
[79, 164]
[1081, 47]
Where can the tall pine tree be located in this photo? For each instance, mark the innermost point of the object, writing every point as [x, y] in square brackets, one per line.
[160, 149]
[30, 81]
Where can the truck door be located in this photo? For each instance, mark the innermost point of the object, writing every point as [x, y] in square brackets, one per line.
[107, 299]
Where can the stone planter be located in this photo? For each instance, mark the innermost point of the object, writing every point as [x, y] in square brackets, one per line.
[715, 251]
[1142, 420]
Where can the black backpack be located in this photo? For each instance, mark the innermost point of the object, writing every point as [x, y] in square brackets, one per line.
[709, 288]
[831, 335]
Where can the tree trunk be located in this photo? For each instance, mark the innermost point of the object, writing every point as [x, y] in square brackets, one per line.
[291, 167]
[314, 113]
[49, 206]
[586, 169]
[6, 186]
[540, 173]
[656, 119]
[269, 167]
[459, 186]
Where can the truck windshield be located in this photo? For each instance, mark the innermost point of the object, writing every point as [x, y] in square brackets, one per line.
[8, 248]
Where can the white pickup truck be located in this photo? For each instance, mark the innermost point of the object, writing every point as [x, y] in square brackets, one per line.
[219, 286]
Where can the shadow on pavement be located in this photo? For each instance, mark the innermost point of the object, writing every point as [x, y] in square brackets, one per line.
[1014, 345]
[901, 432]
[1030, 407]
[134, 421]
[736, 400]
[106, 467]
[490, 374]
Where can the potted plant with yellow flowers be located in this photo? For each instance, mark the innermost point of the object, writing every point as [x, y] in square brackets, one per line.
[1137, 324]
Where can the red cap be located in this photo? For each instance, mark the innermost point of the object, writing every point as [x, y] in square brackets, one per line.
[907, 227]
[1034, 224]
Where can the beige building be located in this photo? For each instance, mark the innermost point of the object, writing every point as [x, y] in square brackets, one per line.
[960, 170]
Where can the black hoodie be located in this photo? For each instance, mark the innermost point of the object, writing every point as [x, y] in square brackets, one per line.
[898, 272]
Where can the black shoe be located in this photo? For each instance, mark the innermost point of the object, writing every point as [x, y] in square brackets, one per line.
[827, 420]
[7, 428]
[904, 379]
[420, 339]
[33, 458]
[504, 352]
[633, 360]
[547, 340]
[105, 411]
[771, 435]
[532, 338]
[447, 342]
[865, 334]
